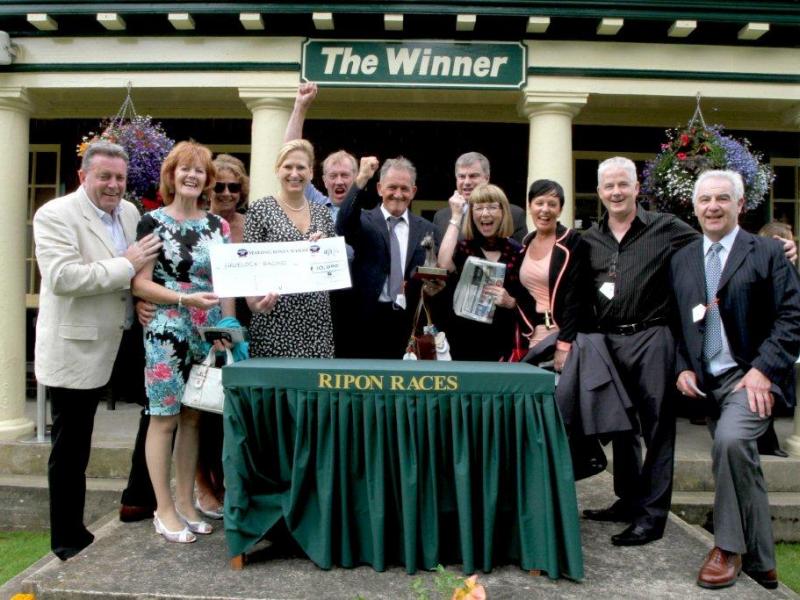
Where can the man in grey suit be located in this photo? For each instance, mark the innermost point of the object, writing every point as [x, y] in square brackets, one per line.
[472, 169]
[87, 255]
[738, 299]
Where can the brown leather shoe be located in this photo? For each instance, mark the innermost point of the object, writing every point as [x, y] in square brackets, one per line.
[131, 514]
[767, 579]
[720, 569]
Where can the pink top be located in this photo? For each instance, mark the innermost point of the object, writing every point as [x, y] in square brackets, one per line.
[535, 275]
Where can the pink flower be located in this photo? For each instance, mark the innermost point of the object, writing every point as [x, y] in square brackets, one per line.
[169, 400]
[199, 317]
[681, 155]
[173, 313]
[161, 371]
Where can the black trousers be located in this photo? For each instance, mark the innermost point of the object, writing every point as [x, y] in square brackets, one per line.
[127, 383]
[73, 421]
[645, 362]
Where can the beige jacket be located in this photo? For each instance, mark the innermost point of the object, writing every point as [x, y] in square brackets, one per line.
[84, 292]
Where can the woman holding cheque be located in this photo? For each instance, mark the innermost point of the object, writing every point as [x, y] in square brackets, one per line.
[487, 228]
[296, 325]
[179, 284]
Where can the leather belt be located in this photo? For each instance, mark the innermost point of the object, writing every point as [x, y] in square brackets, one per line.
[631, 328]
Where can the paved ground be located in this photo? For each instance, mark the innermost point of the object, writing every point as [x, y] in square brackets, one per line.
[130, 561]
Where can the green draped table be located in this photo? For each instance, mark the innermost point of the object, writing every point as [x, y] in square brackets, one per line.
[386, 462]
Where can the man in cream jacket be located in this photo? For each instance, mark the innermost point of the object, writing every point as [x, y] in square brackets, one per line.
[87, 255]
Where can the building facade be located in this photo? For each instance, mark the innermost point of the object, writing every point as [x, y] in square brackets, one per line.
[544, 89]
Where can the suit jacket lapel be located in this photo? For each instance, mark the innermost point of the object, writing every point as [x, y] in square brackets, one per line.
[742, 246]
[95, 224]
[381, 227]
[415, 235]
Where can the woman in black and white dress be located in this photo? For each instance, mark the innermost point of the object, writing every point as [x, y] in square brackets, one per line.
[297, 325]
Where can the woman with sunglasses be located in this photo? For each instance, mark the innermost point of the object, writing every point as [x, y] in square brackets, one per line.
[487, 227]
[228, 199]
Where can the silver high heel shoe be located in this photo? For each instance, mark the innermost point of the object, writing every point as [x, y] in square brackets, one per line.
[209, 512]
[200, 527]
[184, 536]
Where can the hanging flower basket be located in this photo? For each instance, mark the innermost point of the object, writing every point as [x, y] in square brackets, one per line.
[146, 144]
[669, 178]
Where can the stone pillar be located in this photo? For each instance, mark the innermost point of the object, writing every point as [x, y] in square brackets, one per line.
[550, 144]
[792, 445]
[15, 111]
[271, 108]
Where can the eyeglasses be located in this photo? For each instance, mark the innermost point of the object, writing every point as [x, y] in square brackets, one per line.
[233, 188]
[480, 208]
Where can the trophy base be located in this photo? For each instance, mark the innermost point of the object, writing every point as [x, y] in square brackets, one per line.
[429, 273]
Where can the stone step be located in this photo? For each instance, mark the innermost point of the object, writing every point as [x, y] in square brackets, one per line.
[30, 458]
[25, 502]
[696, 508]
[694, 474]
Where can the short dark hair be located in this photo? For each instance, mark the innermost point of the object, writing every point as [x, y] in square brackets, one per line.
[102, 148]
[543, 187]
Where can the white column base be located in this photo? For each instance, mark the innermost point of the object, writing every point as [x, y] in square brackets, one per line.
[15, 429]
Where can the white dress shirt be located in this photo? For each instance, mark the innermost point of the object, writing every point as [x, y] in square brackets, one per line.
[401, 230]
[724, 360]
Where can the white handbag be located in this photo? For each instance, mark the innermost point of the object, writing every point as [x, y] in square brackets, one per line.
[203, 389]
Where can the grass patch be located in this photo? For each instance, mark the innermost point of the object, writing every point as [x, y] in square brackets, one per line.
[20, 549]
[788, 559]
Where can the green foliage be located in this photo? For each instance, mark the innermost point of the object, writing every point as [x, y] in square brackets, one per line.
[444, 584]
[788, 558]
[20, 549]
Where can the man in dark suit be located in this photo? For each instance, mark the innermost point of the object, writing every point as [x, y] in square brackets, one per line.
[386, 242]
[738, 299]
[472, 169]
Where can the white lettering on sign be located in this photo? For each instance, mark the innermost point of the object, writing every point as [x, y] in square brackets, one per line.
[407, 62]
[350, 64]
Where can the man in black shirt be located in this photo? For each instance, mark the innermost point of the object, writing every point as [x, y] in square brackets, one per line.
[630, 251]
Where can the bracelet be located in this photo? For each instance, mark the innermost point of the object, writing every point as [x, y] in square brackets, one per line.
[180, 299]
[455, 223]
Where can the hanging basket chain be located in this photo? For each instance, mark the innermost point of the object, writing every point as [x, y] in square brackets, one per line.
[697, 117]
[127, 110]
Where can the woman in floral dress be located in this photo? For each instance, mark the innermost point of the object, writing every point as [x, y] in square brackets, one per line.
[295, 324]
[179, 284]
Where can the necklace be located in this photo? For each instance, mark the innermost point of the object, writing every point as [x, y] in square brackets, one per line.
[302, 207]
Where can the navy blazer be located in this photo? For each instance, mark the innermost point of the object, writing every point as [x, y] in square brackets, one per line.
[366, 231]
[759, 302]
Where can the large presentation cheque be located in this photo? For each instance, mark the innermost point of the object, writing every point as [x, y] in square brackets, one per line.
[283, 267]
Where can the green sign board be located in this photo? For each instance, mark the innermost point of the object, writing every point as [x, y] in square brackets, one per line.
[490, 65]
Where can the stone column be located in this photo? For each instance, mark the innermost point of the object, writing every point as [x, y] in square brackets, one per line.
[792, 445]
[271, 108]
[15, 111]
[550, 144]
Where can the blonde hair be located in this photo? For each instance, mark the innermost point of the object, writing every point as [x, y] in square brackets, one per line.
[486, 193]
[226, 162]
[340, 157]
[185, 153]
[295, 146]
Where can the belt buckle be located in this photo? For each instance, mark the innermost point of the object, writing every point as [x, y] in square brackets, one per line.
[628, 329]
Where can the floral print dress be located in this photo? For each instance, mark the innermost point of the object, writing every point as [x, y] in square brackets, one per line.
[171, 340]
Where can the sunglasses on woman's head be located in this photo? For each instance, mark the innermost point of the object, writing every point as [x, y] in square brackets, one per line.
[233, 188]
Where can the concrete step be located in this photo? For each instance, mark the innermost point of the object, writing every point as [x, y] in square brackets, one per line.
[694, 475]
[697, 508]
[30, 458]
[25, 500]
